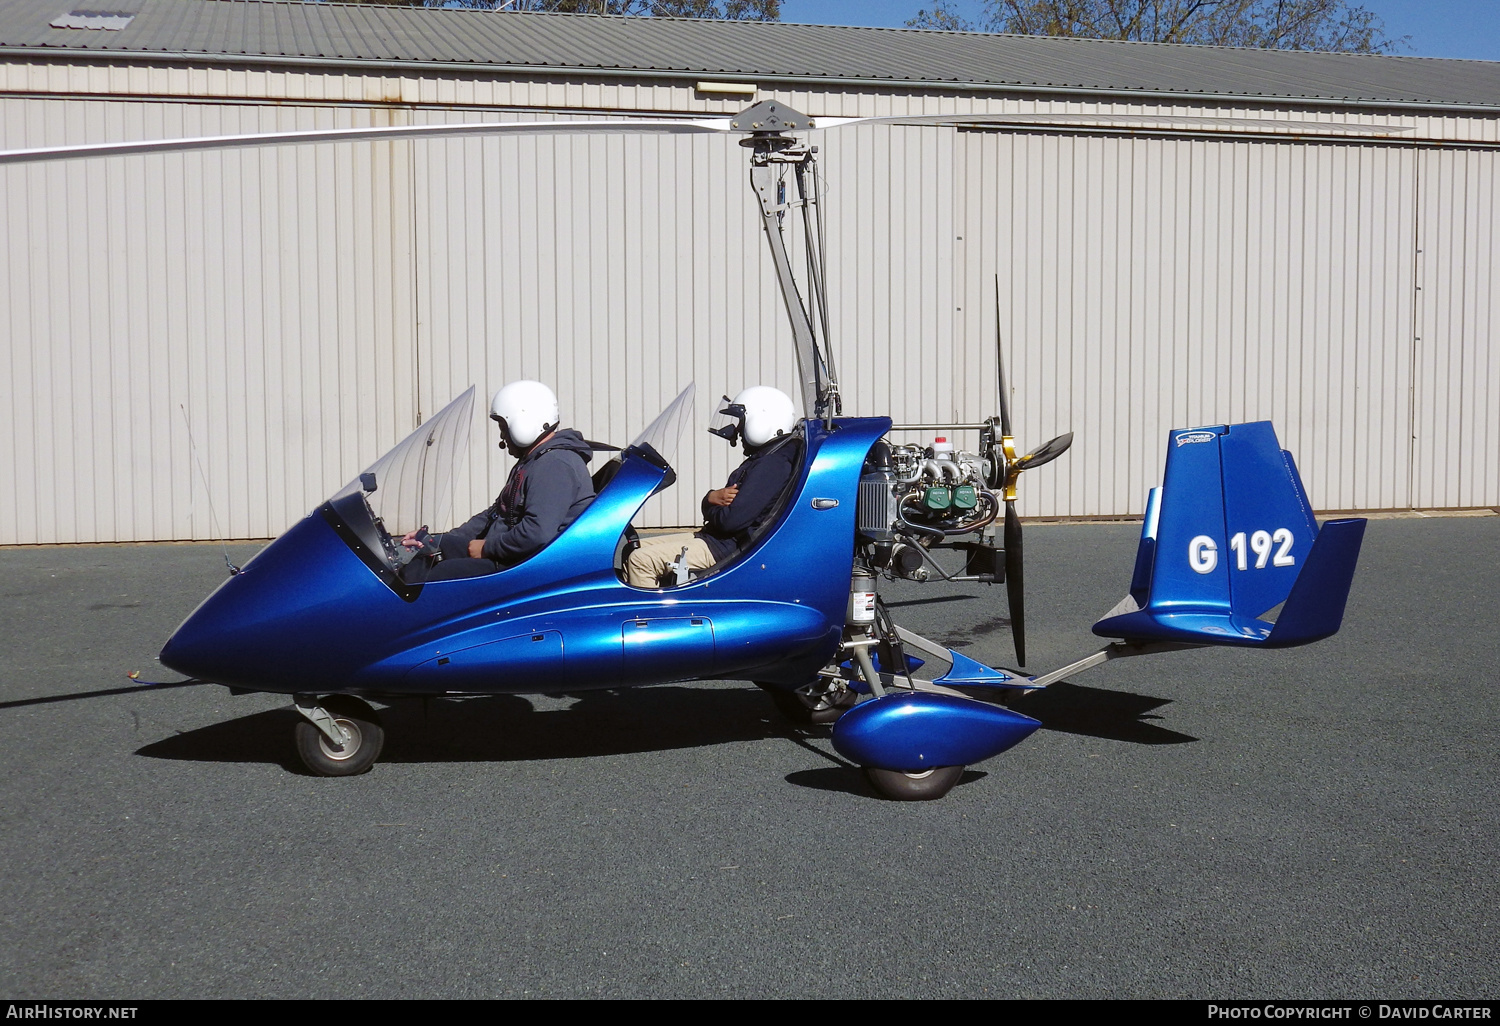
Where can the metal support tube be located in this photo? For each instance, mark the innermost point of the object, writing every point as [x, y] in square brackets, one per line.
[1115, 650]
[319, 717]
[920, 643]
[763, 183]
[939, 427]
[867, 669]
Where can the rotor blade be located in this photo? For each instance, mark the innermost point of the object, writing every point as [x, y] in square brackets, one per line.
[667, 126]
[1047, 453]
[1015, 581]
[1154, 121]
[1000, 366]
[674, 126]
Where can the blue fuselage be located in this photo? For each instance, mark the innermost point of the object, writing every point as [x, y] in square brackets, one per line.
[309, 614]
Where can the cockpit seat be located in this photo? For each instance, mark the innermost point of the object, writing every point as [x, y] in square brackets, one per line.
[778, 508]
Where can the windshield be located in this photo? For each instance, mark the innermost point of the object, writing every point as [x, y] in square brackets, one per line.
[412, 485]
[665, 432]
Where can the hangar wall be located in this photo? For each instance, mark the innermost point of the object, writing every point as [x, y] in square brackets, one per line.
[291, 312]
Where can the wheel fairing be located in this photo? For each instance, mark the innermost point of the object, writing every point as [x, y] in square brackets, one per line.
[915, 732]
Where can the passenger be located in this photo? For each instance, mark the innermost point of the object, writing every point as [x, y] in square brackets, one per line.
[546, 491]
[732, 515]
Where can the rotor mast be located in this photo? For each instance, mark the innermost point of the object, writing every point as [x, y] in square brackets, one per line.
[772, 150]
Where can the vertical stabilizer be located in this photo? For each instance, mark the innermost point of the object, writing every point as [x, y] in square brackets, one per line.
[1229, 537]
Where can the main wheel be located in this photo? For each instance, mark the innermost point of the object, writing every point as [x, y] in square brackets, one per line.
[366, 738]
[816, 704]
[923, 786]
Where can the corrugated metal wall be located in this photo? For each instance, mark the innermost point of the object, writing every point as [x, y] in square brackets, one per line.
[295, 310]
[254, 305]
[1148, 284]
[1456, 364]
[618, 269]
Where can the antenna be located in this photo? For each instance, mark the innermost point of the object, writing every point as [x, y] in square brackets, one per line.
[207, 491]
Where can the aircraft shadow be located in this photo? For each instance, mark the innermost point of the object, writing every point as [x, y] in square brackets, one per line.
[847, 779]
[1094, 712]
[506, 728]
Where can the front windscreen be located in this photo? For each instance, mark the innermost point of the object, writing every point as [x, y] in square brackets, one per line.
[412, 485]
[665, 432]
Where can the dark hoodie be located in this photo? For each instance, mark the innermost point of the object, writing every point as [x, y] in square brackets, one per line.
[762, 479]
[546, 491]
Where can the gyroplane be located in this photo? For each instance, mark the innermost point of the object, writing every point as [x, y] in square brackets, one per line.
[1230, 552]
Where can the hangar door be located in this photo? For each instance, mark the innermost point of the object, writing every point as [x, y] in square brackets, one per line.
[1153, 283]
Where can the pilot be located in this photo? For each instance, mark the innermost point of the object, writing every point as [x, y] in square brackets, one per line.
[546, 491]
[733, 515]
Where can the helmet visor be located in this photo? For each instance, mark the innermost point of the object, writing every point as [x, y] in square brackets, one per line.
[728, 421]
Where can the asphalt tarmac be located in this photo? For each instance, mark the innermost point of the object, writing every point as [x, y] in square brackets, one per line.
[1312, 823]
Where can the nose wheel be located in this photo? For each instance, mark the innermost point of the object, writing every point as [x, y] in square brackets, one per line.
[339, 736]
[923, 786]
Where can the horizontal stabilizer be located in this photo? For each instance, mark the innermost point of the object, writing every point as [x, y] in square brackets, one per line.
[966, 671]
[1229, 537]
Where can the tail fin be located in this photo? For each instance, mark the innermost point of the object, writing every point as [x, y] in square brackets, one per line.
[1229, 537]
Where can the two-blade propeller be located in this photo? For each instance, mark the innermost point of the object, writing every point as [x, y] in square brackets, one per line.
[1015, 575]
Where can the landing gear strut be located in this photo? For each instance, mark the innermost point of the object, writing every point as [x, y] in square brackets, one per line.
[338, 736]
[820, 703]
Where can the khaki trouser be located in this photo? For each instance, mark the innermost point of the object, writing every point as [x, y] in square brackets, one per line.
[645, 566]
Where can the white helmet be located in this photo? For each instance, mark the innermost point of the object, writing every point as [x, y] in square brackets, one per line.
[525, 411]
[763, 412]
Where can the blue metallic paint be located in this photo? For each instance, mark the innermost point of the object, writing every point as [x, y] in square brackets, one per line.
[1223, 483]
[915, 732]
[318, 612]
[971, 673]
[307, 614]
[1315, 608]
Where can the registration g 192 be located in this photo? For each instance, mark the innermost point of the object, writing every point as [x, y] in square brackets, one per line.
[1203, 551]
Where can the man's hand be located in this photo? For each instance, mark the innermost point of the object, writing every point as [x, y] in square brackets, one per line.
[409, 539]
[476, 548]
[723, 496]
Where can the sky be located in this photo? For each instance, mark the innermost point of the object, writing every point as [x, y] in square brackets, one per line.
[1466, 29]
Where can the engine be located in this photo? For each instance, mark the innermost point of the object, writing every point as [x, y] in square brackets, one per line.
[921, 495]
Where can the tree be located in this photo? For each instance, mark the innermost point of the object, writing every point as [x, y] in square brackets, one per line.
[736, 10]
[1338, 25]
